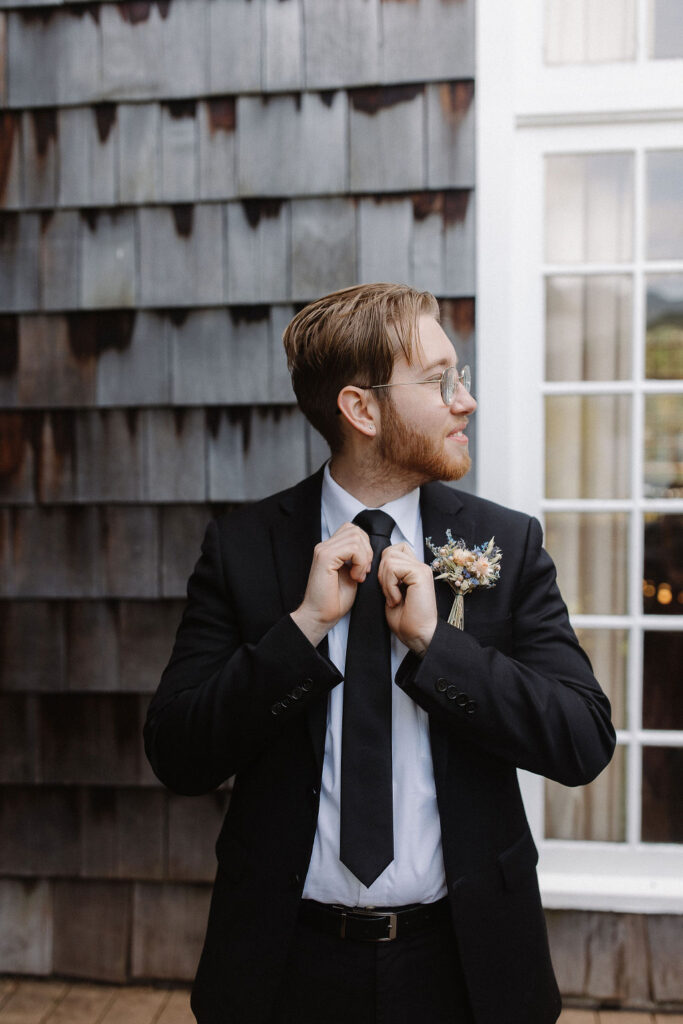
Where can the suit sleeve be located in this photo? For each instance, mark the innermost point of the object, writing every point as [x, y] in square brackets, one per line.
[539, 708]
[221, 701]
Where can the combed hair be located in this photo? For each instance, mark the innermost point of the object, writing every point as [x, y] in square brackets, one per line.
[350, 337]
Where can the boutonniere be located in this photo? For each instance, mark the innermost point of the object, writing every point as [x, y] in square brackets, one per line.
[465, 569]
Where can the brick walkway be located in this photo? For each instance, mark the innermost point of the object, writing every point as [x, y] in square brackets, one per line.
[56, 1002]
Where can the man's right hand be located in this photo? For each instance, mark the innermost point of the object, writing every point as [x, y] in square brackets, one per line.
[339, 565]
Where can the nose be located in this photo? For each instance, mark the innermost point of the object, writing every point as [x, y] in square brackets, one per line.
[463, 402]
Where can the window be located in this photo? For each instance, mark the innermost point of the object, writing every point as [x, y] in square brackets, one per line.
[580, 335]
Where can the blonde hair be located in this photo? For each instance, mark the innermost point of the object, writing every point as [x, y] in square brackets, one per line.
[351, 336]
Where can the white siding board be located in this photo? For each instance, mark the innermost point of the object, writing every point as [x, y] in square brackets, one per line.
[103, 156]
[39, 144]
[217, 148]
[131, 553]
[26, 935]
[77, 55]
[291, 144]
[181, 269]
[428, 40]
[323, 246]
[276, 456]
[387, 147]
[182, 528]
[282, 45]
[258, 256]
[139, 374]
[16, 481]
[385, 237]
[341, 42]
[74, 126]
[450, 137]
[175, 455]
[178, 155]
[3, 59]
[108, 260]
[460, 249]
[235, 34]
[59, 260]
[19, 259]
[139, 147]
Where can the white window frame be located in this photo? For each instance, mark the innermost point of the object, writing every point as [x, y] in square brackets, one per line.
[526, 110]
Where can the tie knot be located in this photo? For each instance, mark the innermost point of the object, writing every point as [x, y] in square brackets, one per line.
[375, 522]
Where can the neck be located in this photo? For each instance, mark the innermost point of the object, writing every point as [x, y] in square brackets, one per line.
[371, 482]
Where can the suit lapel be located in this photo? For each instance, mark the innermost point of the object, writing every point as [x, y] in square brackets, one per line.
[441, 509]
[293, 538]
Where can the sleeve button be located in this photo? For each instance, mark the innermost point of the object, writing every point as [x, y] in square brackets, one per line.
[275, 709]
[452, 692]
[298, 692]
[471, 707]
[441, 685]
[461, 700]
[307, 685]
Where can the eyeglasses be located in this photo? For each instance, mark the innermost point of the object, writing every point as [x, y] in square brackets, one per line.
[448, 382]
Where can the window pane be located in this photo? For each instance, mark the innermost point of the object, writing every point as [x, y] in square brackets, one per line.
[587, 449]
[662, 795]
[589, 208]
[597, 811]
[664, 342]
[588, 327]
[608, 652]
[666, 28]
[589, 31]
[665, 204]
[590, 550]
[662, 690]
[663, 569]
[663, 463]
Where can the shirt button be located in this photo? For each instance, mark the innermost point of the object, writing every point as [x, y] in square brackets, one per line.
[441, 685]
[452, 692]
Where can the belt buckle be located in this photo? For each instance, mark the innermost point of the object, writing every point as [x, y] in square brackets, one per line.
[364, 912]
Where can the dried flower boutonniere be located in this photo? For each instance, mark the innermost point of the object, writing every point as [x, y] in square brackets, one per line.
[465, 569]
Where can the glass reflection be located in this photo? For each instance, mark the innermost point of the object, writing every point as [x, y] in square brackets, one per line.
[589, 208]
[589, 31]
[662, 795]
[662, 690]
[590, 550]
[663, 565]
[596, 812]
[664, 339]
[666, 29]
[663, 456]
[588, 327]
[608, 652]
[665, 204]
[587, 452]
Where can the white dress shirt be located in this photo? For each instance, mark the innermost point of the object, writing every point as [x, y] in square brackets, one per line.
[416, 874]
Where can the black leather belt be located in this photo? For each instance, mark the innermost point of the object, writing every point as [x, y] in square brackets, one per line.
[372, 925]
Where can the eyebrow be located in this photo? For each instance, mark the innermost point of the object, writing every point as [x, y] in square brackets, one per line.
[440, 363]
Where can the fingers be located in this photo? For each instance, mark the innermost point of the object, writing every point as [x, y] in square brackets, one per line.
[400, 569]
[348, 546]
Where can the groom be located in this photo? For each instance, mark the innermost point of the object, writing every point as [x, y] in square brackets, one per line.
[375, 863]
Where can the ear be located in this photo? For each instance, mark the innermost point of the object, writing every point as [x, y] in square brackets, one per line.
[359, 408]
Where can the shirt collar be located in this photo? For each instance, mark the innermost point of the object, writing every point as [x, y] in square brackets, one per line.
[338, 507]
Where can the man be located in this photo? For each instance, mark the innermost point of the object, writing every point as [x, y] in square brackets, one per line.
[375, 863]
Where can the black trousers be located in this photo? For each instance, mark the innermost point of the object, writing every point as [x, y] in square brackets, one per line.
[341, 981]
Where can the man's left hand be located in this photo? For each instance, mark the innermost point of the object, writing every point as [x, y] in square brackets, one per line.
[408, 586]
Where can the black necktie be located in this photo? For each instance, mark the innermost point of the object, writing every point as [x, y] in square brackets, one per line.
[367, 824]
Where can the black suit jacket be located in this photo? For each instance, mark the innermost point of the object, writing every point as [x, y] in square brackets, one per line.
[245, 694]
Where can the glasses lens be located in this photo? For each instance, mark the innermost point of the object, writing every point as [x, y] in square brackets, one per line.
[448, 379]
[451, 378]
